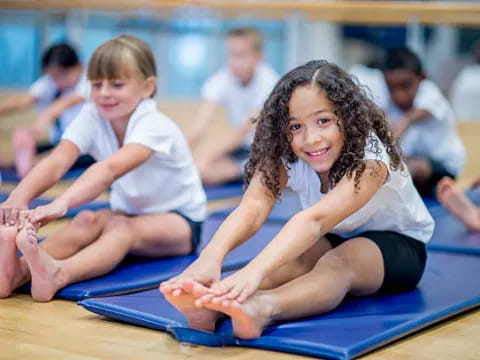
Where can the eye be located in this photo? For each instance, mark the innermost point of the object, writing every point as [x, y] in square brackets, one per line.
[118, 84]
[96, 84]
[323, 121]
[295, 127]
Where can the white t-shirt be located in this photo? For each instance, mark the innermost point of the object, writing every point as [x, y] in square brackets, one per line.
[435, 138]
[240, 101]
[167, 181]
[44, 90]
[396, 206]
[465, 93]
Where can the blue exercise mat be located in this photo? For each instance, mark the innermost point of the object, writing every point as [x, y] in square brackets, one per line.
[9, 175]
[135, 274]
[357, 326]
[94, 205]
[230, 189]
[452, 236]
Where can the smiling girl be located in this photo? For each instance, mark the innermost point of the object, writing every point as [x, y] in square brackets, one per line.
[157, 200]
[363, 226]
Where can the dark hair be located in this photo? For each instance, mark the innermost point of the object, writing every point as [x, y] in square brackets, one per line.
[62, 55]
[360, 117]
[403, 59]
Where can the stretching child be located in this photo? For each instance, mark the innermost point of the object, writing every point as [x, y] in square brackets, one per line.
[157, 200]
[58, 95]
[452, 197]
[424, 121]
[363, 228]
[240, 88]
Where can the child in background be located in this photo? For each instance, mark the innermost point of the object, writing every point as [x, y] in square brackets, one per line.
[423, 120]
[157, 199]
[240, 88]
[363, 226]
[452, 197]
[59, 96]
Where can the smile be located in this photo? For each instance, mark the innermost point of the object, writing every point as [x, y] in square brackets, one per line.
[317, 153]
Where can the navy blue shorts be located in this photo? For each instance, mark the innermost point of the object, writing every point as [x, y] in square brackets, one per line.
[196, 229]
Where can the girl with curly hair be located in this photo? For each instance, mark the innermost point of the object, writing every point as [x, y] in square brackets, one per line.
[363, 226]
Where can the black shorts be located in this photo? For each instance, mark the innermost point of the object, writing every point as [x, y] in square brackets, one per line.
[438, 172]
[404, 258]
[196, 228]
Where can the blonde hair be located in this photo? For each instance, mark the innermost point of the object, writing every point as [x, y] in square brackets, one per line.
[119, 56]
[250, 34]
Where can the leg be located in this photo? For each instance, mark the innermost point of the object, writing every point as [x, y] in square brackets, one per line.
[199, 317]
[454, 200]
[218, 170]
[12, 272]
[420, 169]
[84, 228]
[298, 267]
[81, 231]
[24, 143]
[354, 267]
[152, 235]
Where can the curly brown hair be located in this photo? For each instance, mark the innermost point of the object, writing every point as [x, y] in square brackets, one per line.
[360, 118]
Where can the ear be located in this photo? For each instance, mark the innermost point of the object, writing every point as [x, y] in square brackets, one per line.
[150, 85]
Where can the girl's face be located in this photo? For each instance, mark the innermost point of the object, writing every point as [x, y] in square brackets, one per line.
[116, 99]
[316, 136]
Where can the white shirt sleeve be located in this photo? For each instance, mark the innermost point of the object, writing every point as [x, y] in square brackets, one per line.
[43, 89]
[215, 87]
[153, 130]
[430, 98]
[82, 129]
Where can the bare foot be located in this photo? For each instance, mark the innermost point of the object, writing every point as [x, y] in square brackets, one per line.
[184, 301]
[454, 200]
[24, 150]
[248, 318]
[46, 273]
[12, 274]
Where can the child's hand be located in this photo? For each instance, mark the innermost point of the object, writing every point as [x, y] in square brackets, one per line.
[10, 211]
[44, 214]
[201, 271]
[238, 286]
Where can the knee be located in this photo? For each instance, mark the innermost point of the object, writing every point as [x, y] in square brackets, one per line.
[21, 136]
[335, 263]
[119, 224]
[84, 219]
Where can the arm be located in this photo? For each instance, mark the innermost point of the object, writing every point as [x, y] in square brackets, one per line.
[239, 226]
[303, 230]
[410, 117]
[48, 116]
[16, 102]
[42, 177]
[94, 181]
[201, 122]
[244, 221]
